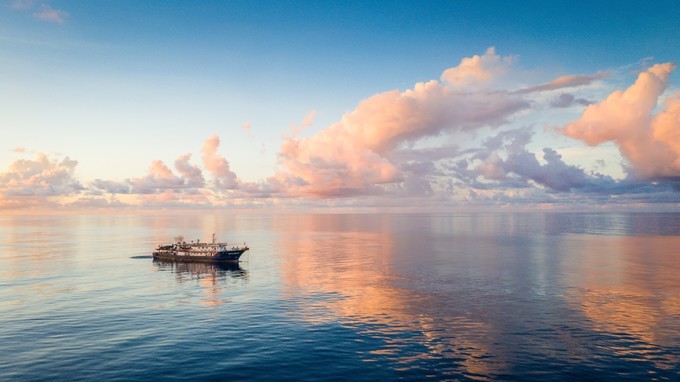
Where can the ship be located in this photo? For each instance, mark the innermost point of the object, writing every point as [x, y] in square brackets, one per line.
[215, 252]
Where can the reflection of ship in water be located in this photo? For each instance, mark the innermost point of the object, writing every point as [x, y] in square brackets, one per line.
[203, 271]
[214, 280]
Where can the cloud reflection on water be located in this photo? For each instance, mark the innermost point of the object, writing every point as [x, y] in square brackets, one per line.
[353, 261]
[629, 284]
[488, 295]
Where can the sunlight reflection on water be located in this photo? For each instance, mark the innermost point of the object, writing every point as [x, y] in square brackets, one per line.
[481, 296]
[446, 296]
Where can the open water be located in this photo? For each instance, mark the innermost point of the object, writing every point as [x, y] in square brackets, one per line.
[513, 297]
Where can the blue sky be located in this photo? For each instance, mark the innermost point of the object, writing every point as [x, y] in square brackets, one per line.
[118, 85]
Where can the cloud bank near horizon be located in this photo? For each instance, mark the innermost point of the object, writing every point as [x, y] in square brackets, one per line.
[452, 141]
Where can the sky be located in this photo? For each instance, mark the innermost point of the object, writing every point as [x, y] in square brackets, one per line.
[434, 105]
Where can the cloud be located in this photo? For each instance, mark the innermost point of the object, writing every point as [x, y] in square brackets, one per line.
[477, 70]
[567, 100]
[429, 154]
[440, 143]
[40, 177]
[43, 12]
[223, 177]
[98, 202]
[307, 122]
[569, 81]
[649, 141]
[46, 13]
[19, 149]
[555, 174]
[193, 176]
[354, 155]
[109, 186]
[504, 161]
[169, 199]
[505, 171]
[158, 179]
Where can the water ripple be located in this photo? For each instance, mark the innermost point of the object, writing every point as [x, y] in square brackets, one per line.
[333, 297]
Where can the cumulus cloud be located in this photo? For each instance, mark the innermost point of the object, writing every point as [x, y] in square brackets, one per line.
[504, 164]
[504, 171]
[555, 174]
[626, 117]
[187, 186]
[42, 176]
[223, 177]
[193, 176]
[109, 186]
[354, 155]
[158, 178]
[427, 143]
[478, 70]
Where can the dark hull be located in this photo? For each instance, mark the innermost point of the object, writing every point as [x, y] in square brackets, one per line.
[220, 257]
[200, 268]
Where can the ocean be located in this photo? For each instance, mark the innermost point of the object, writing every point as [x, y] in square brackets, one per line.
[451, 296]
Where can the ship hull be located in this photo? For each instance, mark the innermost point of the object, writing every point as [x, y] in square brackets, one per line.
[232, 256]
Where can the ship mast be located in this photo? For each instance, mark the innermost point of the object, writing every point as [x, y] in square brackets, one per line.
[213, 238]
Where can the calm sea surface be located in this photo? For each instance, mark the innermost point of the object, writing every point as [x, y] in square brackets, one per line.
[510, 297]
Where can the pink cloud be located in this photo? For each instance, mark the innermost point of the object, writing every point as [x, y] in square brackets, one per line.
[384, 148]
[159, 177]
[478, 70]
[169, 199]
[354, 155]
[626, 117]
[223, 177]
[40, 177]
[307, 121]
[16, 203]
[568, 81]
[98, 203]
[193, 176]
